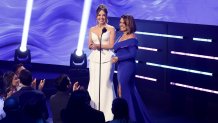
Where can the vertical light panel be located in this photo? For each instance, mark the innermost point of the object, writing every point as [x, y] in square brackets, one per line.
[26, 25]
[85, 17]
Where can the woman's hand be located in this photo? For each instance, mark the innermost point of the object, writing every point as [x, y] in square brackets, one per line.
[76, 86]
[93, 46]
[33, 84]
[114, 59]
[41, 84]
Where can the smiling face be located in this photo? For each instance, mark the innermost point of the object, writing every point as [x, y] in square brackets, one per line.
[123, 27]
[101, 17]
[127, 24]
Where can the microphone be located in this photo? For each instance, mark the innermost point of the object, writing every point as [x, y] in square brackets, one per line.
[99, 95]
[104, 30]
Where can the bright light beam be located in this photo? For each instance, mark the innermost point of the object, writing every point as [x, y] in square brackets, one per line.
[26, 25]
[85, 17]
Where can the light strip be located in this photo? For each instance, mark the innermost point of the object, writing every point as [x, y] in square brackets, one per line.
[194, 88]
[146, 78]
[85, 17]
[26, 25]
[194, 55]
[143, 77]
[180, 69]
[147, 48]
[202, 39]
[159, 35]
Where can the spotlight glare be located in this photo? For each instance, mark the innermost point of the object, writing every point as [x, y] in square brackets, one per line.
[23, 49]
[26, 25]
[83, 26]
[79, 52]
[78, 61]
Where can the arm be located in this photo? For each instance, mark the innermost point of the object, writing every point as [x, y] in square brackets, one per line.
[128, 55]
[91, 44]
[131, 53]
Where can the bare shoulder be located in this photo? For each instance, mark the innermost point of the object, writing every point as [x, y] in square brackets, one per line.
[92, 29]
[110, 28]
[132, 35]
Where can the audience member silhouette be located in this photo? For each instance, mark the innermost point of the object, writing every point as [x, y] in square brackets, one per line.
[78, 109]
[12, 110]
[59, 100]
[2, 95]
[32, 102]
[11, 82]
[18, 68]
[121, 111]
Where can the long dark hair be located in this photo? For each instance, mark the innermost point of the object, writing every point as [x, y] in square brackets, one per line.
[7, 80]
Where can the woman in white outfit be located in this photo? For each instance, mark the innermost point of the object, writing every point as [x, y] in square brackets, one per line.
[107, 68]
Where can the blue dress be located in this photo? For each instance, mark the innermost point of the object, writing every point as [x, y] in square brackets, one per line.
[126, 67]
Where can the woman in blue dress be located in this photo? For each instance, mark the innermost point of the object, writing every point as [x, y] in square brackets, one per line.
[126, 49]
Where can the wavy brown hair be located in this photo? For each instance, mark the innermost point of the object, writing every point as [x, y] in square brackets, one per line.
[130, 23]
[103, 8]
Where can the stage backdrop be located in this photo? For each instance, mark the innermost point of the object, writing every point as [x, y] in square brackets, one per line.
[55, 24]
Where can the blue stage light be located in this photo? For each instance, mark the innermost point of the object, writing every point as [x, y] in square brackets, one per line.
[22, 54]
[78, 61]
